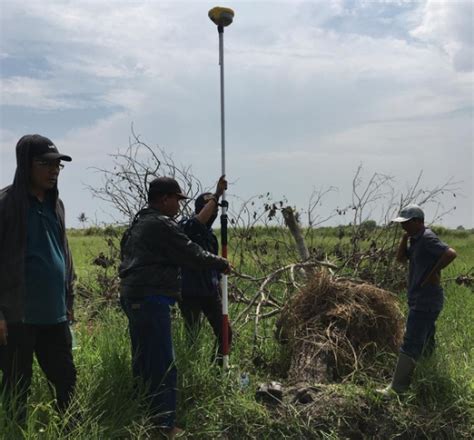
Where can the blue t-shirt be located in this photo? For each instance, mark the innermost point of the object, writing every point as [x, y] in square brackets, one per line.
[203, 282]
[424, 251]
[45, 266]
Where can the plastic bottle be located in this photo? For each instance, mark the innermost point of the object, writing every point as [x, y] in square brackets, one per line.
[244, 380]
[73, 337]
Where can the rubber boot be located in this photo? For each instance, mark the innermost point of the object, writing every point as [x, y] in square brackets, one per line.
[401, 377]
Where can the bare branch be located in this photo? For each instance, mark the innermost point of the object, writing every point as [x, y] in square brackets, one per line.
[125, 186]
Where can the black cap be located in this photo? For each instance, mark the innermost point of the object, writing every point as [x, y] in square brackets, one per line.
[165, 185]
[41, 147]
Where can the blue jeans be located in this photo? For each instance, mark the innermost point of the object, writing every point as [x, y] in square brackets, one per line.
[153, 355]
[420, 332]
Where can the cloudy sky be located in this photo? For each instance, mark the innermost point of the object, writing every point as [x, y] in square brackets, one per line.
[313, 90]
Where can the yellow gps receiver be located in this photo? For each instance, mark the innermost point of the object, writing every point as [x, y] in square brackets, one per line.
[221, 16]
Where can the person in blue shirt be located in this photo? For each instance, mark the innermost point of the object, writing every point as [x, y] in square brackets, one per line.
[426, 255]
[36, 277]
[200, 291]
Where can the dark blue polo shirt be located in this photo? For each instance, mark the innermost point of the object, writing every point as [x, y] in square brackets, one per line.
[45, 267]
[199, 282]
[424, 250]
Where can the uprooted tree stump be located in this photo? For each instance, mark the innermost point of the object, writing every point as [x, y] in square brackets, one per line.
[336, 327]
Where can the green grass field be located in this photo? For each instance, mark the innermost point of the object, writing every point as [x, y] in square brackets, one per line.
[213, 405]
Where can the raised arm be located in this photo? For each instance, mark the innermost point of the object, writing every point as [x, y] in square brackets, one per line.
[401, 256]
[183, 252]
[211, 206]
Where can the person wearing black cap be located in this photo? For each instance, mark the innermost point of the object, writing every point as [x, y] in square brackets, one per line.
[153, 250]
[427, 255]
[200, 288]
[36, 277]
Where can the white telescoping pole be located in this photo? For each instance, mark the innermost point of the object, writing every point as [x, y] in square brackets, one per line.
[223, 17]
[224, 286]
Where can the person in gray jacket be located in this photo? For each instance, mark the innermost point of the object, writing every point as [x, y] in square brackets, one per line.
[36, 277]
[153, 249]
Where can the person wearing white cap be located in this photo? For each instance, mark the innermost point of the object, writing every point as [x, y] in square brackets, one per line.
[426, 255]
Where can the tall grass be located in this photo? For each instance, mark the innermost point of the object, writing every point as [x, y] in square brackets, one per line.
[213, 404]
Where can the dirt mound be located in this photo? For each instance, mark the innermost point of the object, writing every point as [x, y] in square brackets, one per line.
[336, 327]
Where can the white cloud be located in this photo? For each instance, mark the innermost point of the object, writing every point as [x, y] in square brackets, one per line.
[449, 25]
[301, 91]
[35, 93]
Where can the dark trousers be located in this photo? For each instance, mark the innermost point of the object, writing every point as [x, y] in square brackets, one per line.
[420, 333]
[192, 309]
[52, 345]
[153, 356]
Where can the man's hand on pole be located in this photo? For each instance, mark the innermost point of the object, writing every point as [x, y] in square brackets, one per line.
[221, 186]
[228, 269]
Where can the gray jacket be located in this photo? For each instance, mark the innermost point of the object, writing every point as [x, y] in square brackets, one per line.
[13, 229]
[153, 250]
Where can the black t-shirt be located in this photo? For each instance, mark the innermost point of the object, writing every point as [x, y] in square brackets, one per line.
[199, 282]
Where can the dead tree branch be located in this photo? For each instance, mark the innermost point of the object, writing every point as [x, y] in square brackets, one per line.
[271, 277]
[292, 223]
[125, 185]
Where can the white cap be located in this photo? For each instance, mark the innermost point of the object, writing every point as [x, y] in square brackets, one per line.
[409, 212]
